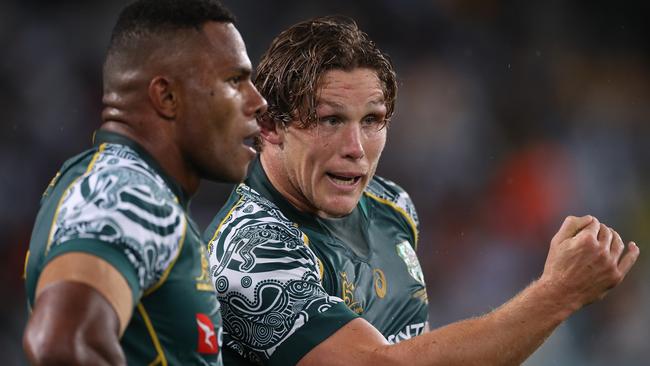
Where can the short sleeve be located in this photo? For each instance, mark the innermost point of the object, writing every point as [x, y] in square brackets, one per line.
[123, 213]
[274, 307]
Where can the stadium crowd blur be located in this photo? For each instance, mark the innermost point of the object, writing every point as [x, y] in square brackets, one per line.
[510, 116]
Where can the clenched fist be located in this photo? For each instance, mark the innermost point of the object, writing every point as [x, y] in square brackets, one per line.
[585, 260]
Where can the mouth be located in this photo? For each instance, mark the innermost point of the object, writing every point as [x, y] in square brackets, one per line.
[249, 140]
[345, 179]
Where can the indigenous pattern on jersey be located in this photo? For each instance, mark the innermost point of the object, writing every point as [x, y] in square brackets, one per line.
[121, 201]
[267, 278]
[116, 203]
[366, 260]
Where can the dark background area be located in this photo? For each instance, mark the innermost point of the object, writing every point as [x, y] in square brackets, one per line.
[510, 116]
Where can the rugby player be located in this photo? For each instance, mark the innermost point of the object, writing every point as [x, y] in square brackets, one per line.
[313, 257]
[117, 272]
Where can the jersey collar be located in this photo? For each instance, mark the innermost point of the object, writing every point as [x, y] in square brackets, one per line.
[103, 136]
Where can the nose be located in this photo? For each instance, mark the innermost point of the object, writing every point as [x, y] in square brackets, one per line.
[352, 141]
[255, 103]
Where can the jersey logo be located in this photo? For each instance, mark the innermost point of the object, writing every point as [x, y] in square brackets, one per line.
[405, 250]
[410, 331]
[381, 286]
[207, 337]
[348, 294]
[203, 282]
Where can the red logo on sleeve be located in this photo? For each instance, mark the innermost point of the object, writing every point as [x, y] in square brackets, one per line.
[207, 335]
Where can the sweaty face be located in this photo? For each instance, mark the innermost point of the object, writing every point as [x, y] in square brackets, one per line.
[327, 166]
[220, 104]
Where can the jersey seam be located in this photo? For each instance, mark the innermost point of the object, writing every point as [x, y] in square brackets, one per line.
[154, 337]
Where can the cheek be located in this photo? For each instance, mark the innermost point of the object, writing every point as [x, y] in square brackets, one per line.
[374, 147]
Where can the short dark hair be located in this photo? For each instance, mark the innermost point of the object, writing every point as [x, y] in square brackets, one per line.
[290, 70]
[144, 18]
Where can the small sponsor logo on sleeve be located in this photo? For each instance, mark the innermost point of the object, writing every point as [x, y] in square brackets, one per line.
[207, 336]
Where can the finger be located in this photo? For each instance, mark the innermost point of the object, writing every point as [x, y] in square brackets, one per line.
[591, 230]
[573, 225]
[605, 236]
[629, 258]
[617, 246]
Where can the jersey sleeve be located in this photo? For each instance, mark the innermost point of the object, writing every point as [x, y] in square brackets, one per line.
[123, 213]
[274, 307]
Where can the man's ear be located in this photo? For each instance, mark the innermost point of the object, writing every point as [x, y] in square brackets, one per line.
[163, 97]
[271, 131]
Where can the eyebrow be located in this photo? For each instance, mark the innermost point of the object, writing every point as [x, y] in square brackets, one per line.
[242, 70]
[339, 106]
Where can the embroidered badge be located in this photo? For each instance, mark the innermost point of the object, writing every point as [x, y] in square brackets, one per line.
[405, 250]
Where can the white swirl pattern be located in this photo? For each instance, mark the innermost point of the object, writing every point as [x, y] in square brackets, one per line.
[267, 278]
[122, 201]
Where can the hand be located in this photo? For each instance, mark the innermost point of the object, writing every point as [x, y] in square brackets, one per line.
[585, 261]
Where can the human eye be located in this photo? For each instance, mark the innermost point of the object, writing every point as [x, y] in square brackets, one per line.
[373, 121]
[330, 120]
[235, 80]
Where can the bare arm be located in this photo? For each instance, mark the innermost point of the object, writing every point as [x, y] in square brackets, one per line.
[82, 307]
[584, 262]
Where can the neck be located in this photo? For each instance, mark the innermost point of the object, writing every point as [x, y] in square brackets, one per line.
[272, 165]
[160, 145]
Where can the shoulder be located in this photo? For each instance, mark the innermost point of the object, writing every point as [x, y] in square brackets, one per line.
[389, 193]
[267, 278]
[117, 180]
[120, 201]
[249, 214]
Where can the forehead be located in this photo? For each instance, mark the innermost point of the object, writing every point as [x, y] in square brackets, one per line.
[360, 85]
[225, 46]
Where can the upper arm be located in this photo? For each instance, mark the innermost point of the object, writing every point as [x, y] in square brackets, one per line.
[125, 215]
[356, 343]
[82, 304]
[115, 233]
[274, 307]
[94, 272]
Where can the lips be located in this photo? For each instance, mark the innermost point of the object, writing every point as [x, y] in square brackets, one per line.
[249, 140]
[345, 179]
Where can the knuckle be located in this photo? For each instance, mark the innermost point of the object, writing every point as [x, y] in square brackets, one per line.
[603, 254]
[588, 240]
[616, 277]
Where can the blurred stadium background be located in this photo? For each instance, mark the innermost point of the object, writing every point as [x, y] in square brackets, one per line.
[511, 115]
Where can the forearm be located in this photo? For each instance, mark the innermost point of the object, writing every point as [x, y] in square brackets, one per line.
[505, 336]
[584, 262]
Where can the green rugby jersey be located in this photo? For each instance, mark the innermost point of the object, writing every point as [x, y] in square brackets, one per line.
[115, 202]
[287, 280]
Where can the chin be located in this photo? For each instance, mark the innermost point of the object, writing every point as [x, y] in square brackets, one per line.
[339, 208]
[233, 175]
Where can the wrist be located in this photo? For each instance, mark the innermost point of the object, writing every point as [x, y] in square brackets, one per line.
[555, 297]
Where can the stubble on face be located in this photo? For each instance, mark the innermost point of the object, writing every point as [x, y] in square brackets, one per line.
[326, 174]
